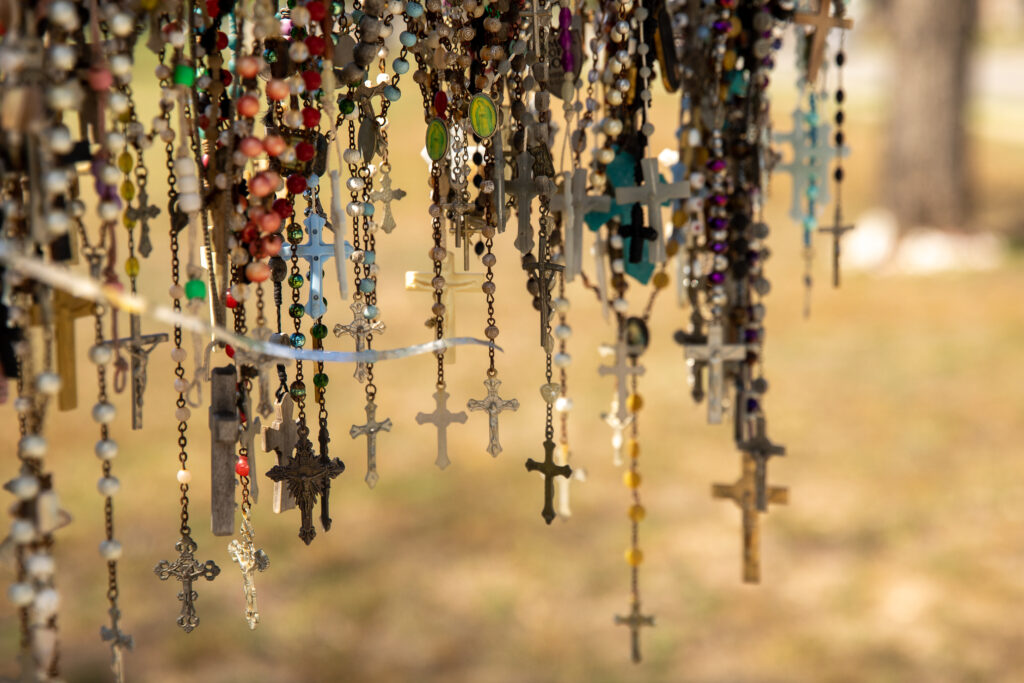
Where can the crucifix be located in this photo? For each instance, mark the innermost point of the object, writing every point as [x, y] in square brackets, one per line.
[493, 405]
[441, 418]
[524, 187]
[316, 252]
[623, 370]
[654, 193]
[369, 430]
[714, 353]
[307, 476]
[249, 560]
[760, 448]
[359, 329]
[743, 493]
[281, 437]
[143, 213]
[454, 283]
[618, 425]
[635, 620]
[459, 210]
[119, 641]
[822, 22]
[223, 435]
[574, 204]
[139, 347]
[187, 569]
[386, 194]
[535, 14]
[837, 230]
[549, 470]
[543, 270]
[65, 310]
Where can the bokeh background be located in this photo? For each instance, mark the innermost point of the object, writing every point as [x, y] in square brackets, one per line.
[899, 399]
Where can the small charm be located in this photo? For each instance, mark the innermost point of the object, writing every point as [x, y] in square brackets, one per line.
[249, 560]
[187, 569]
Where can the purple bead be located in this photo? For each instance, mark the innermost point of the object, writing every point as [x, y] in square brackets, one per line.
[718, 247]
[719, 223]
[565, 39]
[717, 165]
[751, 335]
[752, 405]
[722, 26]
[717, 277]
[753, 256]
[719, 199]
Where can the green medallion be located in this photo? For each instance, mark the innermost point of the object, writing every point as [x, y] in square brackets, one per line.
[437, 139]
[483, 115]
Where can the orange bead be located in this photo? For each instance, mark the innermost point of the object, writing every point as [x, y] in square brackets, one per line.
[631, 479]
[633, 448]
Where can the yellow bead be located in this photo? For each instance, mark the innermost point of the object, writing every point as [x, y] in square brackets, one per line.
[124, 162]
[131, 267]
[634, 403]
[633, 448]
[672, 248]
[149, 5]
[729, 61]
[631, 479]
[635, 557]
[736, 27]
[637, 513]
[127, 191]
[660, 279]
[128, 223]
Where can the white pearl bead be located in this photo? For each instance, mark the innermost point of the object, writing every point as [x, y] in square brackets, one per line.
[180, 385]
[109, 210]
[110, 550]
[184, 166]
[63, 14]
[104, 413]
[121, 65]
[57, 222]
[176, 291]
[239, 291]
[48, 383]
[118, 102]
[20, 594]
[108, 486]
[22, 531]
[563, 332]
[59, 139]
[184, 477]
[32, 446]
[620, 305]
[22, 404]
[563, 404]
[122, 24]
[106, 449]
[189, 202]
[24, 487]
[39, 565]
[188, 183]
[182, 414]
[47, 603]
[562, 360]
[352, 156]
[116, 142]
[560, 304]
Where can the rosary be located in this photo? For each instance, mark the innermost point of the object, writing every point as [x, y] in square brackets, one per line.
[274, 127]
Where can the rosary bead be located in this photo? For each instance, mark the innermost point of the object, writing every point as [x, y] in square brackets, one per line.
[488, 288]
[182, 414]
[563, 332]
[560, 304]
[631, 479]
[491, 332]
[563, 404]
[298, 390]
[366, 286]
[320, 380]
[21, 594]
[437, 282]
[637, 513]
[180, 385]
[633, 448]
[110, 550]
[620, 305]
[104, 413]
[39, 565]
[46, 603]
[106, 449]
[634, 557]
[22, 531]
[64, 14]
[242, 466]
[634, 403]
[48, 383]
[297, 339]
[660, 279]
[437, 309]
[24, 487]
[108, 486]
[562, 360]
[184, 477]
[32, 446]
[296, 310]
[22, 404]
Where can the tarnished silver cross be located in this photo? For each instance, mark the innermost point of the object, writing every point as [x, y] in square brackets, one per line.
[386, 195]
[143, 213]
[549, 470]
[574, 204]
[139, 347]
[543, 270]
[653, 193]
[369, 430]
[634, 620]
[524, 187]
[715, 353]
[493, 405]
[359, 329]
[119, 641]
[249, 560]
[441, 418]
[187, 569]
[623, 369]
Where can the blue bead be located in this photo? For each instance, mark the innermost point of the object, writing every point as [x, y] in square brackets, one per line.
[400, 65]
[357, 15]
[298, 340]
[810, 223]
[407, 39]
[413, 9]
[313, 180]
[369, 257]
[392, 93]
[371, 312]
[368, 209]
[367, 285]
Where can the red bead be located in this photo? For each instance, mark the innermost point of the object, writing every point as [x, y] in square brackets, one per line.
[311, 79]
[296, 184]
[229, 350]
[305, 151]
[222, 40]
[317, 11]
[225, 77]
[250, 233]
[316, 45]
[242, 466]
[230, 302]
[282, 207]
[248, 106]
[310, 117]
[441, 103]
[203, 121]
[213, 8]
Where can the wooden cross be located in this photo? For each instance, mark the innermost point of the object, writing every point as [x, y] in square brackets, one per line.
[837, 230]
[714, 353]
[187, 569]
[454, 283]
[223, 435]
[550, 470]
[316, 252]
[441, 418]
[744, 494]
[246, 440]
[535, 14]
[307, 476]
[760, 448]
[249, 560]
[574, 204]
[139, 347]
[654, 193]
[623, 370]
[635, 620]
[281, 437]
[822, 22]
[369, 430]
[524, 187]
[66, 309]
[543, 270]
[493, 404]
[119, 641]
[359, 329]
[386, 194]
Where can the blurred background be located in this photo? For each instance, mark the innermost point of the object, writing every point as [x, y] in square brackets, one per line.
[899, 399]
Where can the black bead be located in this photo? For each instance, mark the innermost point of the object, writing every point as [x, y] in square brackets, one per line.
[840, 117]
[839, 174]
[840, 138]
[840, 96]
[840, 58]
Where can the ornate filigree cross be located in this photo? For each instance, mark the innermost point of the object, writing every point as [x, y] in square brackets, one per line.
[250, 560]
[369, 430]
[493, 405]
[307, 476]
[187, 569]
[360, 330]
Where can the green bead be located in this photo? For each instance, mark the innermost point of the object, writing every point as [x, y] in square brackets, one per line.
[347, 106]
[184, 75]
[295, 281]
[296, 310]
[320, 380]
[297, 339]
[298, 389]
[319, 331]
[295, 234]
[195, 289]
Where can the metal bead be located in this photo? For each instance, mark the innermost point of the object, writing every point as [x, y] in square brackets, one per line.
[106, 449]
[104, 413]
[48, 383]
[32, 446]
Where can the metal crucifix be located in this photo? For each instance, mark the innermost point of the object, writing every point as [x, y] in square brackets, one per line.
[360, 330]
[715, 353]
[317, 253]
[250, 560]
[549, 470]
[307, 477]
[370, 430]
[493, 405]
[622, 370]
[653, 193]
[187, 569]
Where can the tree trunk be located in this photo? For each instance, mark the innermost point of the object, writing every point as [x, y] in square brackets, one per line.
[927, 182]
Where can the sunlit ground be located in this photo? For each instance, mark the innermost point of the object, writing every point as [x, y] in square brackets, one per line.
[897, 558]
